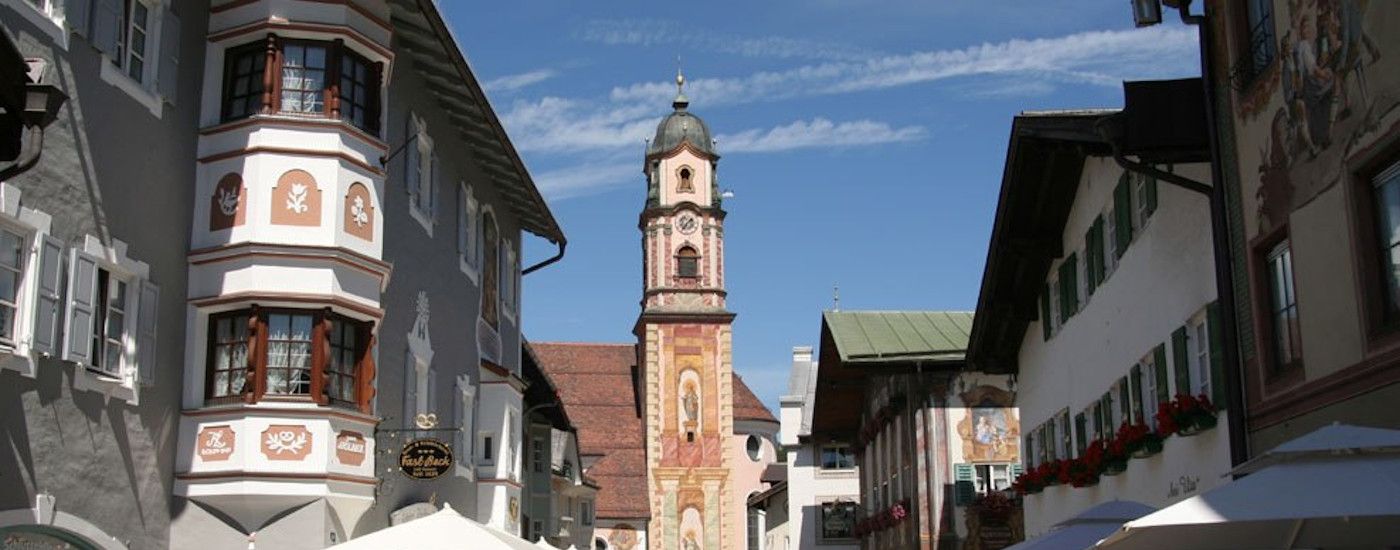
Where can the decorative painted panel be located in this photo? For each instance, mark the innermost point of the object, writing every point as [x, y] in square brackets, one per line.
[286, 442]
[350, 448]
[359, 212]
[991, 431]
[296, 200]
[215, 443]
[228, 206]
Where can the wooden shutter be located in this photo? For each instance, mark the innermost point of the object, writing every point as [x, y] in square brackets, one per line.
[1098, 418]
[1125, 402]
[1045, 312]
[168, 77]
[1159, 364]
[1080, 435]
[1099, 260]
[107, 26]
[50, 276]
[1122, 215]
[1069, 285]
[1067, 437]
[1217, 352]
[1151, 199]
[78, 14]
[148, 311]
[1091, 254]
[1135, 378]
[365, 370]
[964, 477]
[1106, 409]
[82, 295]
[1180, 362]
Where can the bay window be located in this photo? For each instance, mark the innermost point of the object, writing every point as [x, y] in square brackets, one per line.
[287, 352]
[309, 78]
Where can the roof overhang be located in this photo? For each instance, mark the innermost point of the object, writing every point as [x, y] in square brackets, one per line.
[420, 31]
[1044, 162]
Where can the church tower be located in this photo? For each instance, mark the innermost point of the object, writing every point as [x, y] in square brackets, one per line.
[684, 336]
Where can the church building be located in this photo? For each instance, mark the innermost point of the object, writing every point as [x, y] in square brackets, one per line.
[678, 455]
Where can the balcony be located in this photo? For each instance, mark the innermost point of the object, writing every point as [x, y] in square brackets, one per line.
[253, 462]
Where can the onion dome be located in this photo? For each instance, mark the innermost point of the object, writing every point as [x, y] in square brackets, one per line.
[680, 126]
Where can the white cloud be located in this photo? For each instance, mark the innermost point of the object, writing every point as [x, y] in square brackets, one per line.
[563, 125]
[819, 132]
[514, 82]
[587, 179]
[1103, 58]
[649, 32]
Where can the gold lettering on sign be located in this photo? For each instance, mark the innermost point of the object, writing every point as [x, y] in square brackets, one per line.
[281, 442]
[350, 448]
[214, 443]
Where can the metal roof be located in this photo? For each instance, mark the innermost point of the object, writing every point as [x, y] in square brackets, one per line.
[883, 336]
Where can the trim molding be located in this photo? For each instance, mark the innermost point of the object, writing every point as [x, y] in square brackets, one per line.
[215, 254]
[255, 27]
[321, 299]
[291, 151]
[203, 476]
[275, 120]
[245, 410]
[1372, 373]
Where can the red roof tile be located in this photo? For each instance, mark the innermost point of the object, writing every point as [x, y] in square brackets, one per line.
[746, 404]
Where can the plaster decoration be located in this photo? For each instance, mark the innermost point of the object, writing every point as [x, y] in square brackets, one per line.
[215, 443]
[359, 212]
[284, 442]
[296, 200]
[350, 448]
[420, 323]
[227, 206]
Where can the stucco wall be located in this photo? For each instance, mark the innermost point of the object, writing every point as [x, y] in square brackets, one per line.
[1163, 279]
[112, 169]
[808, 488]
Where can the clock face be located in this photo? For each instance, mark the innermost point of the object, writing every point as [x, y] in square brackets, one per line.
[687, 224]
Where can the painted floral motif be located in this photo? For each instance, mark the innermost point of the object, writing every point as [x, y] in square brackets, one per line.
[296, 198]
[228, 201]
[287, 441]
[358, 213]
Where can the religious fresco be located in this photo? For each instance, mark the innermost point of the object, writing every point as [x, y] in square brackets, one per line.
[1319, 102]
[991, 430]
[623, 537]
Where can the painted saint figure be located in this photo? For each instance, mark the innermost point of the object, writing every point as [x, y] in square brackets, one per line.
[691, 403]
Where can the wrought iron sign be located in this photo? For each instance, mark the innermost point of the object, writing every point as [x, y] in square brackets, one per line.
[425, 458]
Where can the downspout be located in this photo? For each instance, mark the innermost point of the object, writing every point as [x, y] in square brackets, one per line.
[34, 148]
[561, 243]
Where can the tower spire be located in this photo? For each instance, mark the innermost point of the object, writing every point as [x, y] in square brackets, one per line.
[681, 101]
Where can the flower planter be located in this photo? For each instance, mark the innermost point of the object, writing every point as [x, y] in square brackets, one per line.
[1115, 467]
[1086, 483]
[1149, 447]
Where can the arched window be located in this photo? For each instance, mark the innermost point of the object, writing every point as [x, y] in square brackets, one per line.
[688, 262]
[754, 446]
[685, 185]
[490, 270]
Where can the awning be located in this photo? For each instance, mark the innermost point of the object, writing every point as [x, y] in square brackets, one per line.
[1088, 528]
[1318, 491]
[444, 530]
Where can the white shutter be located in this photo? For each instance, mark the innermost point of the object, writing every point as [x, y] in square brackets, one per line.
[82, 293]
[107, 26]
[149, 310]
[431, 186]
[167, 80]
[50, 276]
[76, 13]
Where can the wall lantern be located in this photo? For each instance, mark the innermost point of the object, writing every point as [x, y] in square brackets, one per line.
[1146, 13]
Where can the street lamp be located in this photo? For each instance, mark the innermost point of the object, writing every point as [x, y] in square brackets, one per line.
[1146, 12]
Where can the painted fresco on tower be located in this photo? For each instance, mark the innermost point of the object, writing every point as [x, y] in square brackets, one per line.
[991, 431]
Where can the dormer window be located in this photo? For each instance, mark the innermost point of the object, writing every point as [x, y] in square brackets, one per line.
[688, 262]
[685, 185]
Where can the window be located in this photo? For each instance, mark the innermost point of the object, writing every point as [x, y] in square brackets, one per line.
[537, 458]
[1081, 435]
[1283, 307]
[467, 209]
[838, 520]
[243, 80]
[132, 45]
[12, 257]
[315, 79]
[1144, 199]
[1255, 42]
[283, 360]
[837, 457]
[992, 477]
[110, 307]
[1066, 442]
[488, 449]
[688, 262]
[685, 185]
[1386, 196]
[1052, 441]
[420, 174]
[585, 512]
[1198, 346]
[754, 446]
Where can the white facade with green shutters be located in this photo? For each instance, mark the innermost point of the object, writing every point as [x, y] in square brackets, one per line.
[1127, 320]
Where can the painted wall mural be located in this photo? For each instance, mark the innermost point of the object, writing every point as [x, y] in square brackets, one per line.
[228, 206]
[359, 212]
[296, 200]
[1318, 103]
[991, 431]
[623, 537]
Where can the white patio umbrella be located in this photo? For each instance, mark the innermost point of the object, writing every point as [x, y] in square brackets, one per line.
[1336, 487]
[1088, 528]
[542, 544]
[444, 530]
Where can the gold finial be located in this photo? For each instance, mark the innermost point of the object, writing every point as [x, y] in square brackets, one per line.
[680, 78]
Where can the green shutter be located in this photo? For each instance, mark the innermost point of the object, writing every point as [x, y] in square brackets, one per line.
[963, 478]
[1093, 255]
[1179, 361]
[1068, 436]
[1135, 375]
[1081, 438]
[1045, 312]
[1217, 353]
[1107, 411]
[1122, 215]
[1098, 419]
[1151, 184]
[1125, 403]
[1069, 286]
[1016, 470]
[1159, 364]
[1052, 441]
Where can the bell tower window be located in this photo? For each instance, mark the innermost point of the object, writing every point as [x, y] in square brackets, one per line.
[688, 262]
[685, 185]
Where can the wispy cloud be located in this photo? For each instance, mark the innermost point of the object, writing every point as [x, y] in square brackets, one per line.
[514, 82]
[1103, 58]
[587, 179]
[819, 132]
[648, 32]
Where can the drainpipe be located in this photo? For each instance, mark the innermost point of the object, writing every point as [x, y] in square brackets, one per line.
[34, 147]
[561, 243]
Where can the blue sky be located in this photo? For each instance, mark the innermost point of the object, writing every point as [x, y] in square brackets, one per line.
[863, 141]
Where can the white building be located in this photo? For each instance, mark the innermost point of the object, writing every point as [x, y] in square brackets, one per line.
[823, 482]
[1099, 295]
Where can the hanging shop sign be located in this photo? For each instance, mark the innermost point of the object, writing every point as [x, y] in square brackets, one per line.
[425, 458]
